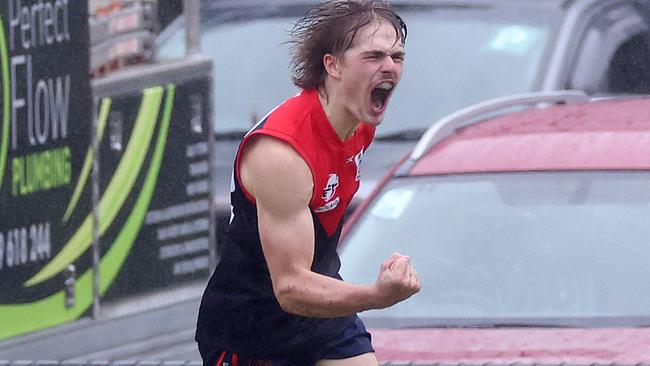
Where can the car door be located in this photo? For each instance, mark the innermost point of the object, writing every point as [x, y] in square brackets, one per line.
[613, 52]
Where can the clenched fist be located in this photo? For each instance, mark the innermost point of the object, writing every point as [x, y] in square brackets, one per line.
[398, 280]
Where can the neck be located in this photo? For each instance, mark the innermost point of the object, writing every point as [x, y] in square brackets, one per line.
[343, 122]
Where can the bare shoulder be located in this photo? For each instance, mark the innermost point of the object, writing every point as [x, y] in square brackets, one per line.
[272, 169]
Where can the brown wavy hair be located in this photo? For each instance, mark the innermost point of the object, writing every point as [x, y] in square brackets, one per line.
[331, 27]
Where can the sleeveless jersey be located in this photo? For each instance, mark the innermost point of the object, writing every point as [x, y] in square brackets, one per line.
[239, 311]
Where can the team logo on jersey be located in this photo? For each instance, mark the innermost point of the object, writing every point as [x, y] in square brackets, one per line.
[356, 159]
[330, 187]
[328, 194]
[329, 206]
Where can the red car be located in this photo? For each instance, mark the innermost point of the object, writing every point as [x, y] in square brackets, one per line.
[528, 219]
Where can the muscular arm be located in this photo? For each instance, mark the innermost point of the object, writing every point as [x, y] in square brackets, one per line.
[281, 182]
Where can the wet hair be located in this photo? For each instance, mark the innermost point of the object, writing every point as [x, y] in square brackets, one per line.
[331, 28]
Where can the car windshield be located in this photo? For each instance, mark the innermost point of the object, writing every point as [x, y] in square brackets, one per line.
[449, 50]
[573, 247]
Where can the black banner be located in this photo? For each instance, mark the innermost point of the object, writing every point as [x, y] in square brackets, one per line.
[45, 129]
[153, 206]
[172, 244]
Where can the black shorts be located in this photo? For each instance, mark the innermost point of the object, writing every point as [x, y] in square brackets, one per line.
[354, 341]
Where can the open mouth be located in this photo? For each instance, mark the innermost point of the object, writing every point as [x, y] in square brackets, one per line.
[379, 96]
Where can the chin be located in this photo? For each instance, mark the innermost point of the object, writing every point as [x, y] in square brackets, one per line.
[374, 120]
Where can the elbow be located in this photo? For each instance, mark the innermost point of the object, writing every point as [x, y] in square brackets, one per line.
[286, 295]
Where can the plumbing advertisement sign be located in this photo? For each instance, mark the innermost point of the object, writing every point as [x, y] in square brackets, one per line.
[152, 212]
[157, 217]
[45, 124]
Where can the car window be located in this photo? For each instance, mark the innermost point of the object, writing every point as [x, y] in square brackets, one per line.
[614, 53]
[628, 71]
[449, 52]
[458, 57]
[517, 245]
[251, 68]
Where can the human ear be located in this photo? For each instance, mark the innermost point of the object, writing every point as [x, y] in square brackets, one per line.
[332, 65]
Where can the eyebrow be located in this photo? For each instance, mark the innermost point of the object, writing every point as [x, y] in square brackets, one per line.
[382, 53]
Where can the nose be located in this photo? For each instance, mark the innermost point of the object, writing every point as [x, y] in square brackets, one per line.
[389, 67]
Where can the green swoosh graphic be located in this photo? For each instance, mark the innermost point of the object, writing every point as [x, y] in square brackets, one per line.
[117, 191]
[125, 239]
[88, 163]
[51, 311]
[4, 59]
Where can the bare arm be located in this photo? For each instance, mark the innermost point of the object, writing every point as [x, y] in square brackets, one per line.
[281, 182]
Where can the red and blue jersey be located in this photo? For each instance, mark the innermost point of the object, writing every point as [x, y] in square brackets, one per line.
[239, 311]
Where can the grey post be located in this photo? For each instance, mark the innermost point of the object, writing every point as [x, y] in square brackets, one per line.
[192, 24]
[95, 199]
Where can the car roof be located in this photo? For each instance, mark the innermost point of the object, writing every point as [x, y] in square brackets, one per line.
[611, 134]
[217, 12]
[297, 7]
[470, 3]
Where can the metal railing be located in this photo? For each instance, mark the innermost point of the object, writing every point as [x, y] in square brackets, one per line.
[479, 112]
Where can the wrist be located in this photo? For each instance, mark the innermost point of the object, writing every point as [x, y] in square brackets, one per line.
[375, 298]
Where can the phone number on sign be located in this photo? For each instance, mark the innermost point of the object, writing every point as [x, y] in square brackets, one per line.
[21, 246]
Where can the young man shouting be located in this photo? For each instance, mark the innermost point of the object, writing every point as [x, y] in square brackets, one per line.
[276, 297]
